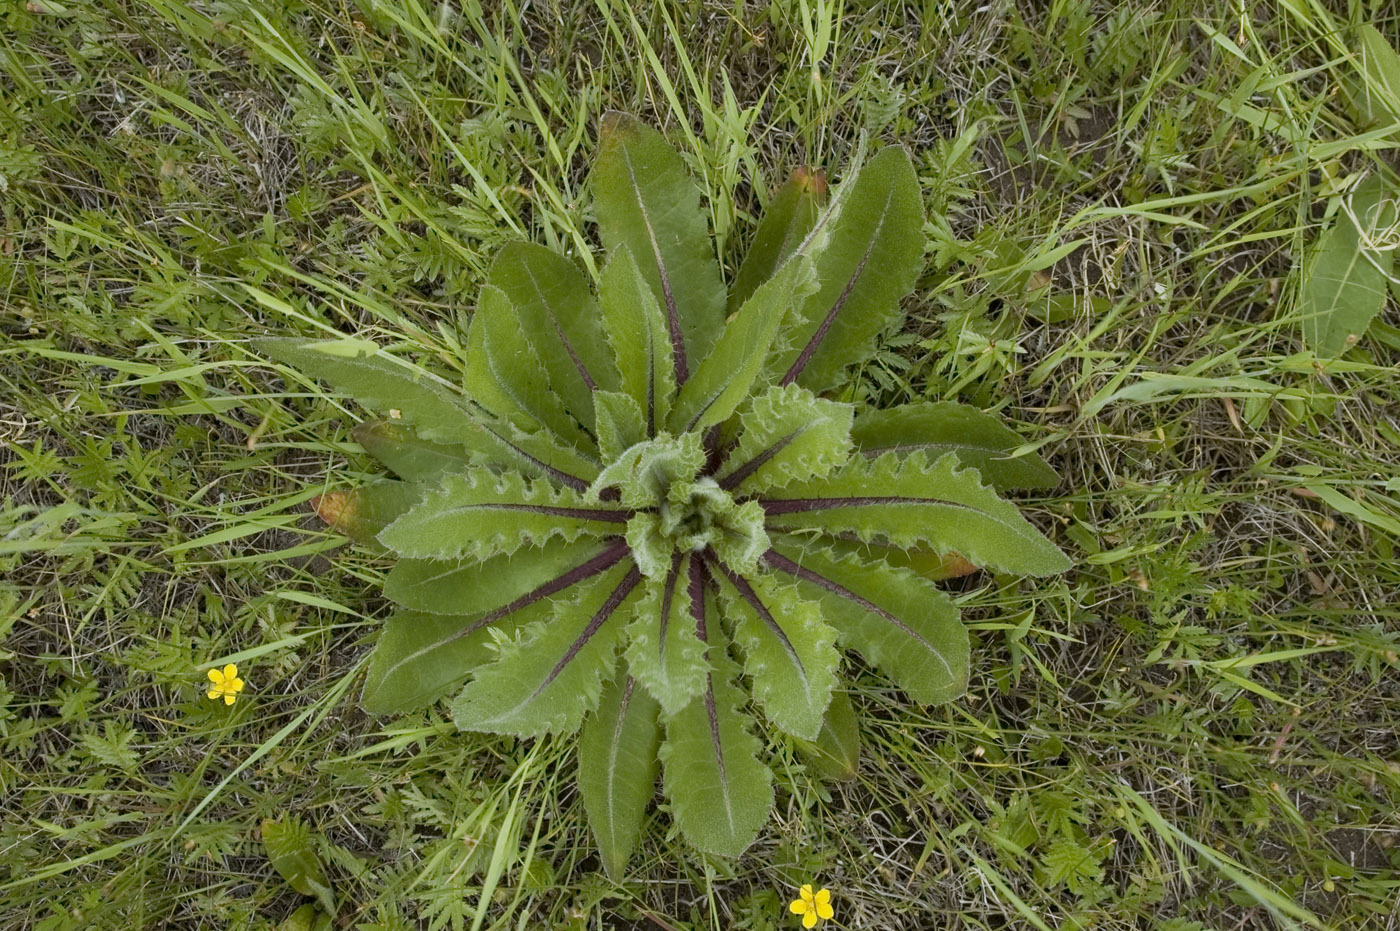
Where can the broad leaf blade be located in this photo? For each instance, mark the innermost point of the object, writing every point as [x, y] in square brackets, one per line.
[422, 654]
[724, 380]
[868, 259]
[292, 850]
[550, 678]
[788, 654]
[617, 767]
[663, 653]
[907, 502]
[473, 588]
[1345, 283]
[791, 214]
[361, 513]
[835, 754]
[560, 317]
[902, 624]
[787, 434]
[619, 425]
[409, 456]
[720, 792]
[637, 331]
[979, 440]
[435, 409]
[514, 367]
[475, 516]
[645, 200]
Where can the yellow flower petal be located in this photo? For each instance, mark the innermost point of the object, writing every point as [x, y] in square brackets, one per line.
[228, 698]
[216, 675]
[809, 920]
[231, 671]
[822, 897]
[824, 910]
[215, 693]
[797, 906]
[806, 892]
[236, 685]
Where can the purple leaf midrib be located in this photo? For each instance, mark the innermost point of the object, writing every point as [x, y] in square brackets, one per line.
[805, 356]
[614, 600]
[782, 563]
[598, 514]
[673, 319]
[735, 478]
[746, 591]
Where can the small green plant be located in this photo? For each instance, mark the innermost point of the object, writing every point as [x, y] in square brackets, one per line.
[643, 510]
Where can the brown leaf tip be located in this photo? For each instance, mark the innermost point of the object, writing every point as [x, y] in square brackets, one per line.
[332, 507]
[811, 179]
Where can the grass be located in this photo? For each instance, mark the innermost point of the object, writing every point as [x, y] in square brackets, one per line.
[1194, 729]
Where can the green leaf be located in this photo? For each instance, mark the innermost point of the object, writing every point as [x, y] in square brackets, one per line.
[790, 216]
[868, 257]
[1345, 282]
[435, 409]
[410, 456]
[637, 331]
[835, 754]
[361, 513]
[518, 388]
[617, 767]
[724, 380]
[550, 678]
[292, 850]
[560, 317]
[620, 424]
[788, 653]
[720, 792]
[476, 515]
[471, 587]
[979, 440]
[646, 201]
[903, 625]
[423, 653]
[907, 502]
[787, 434]
[663, 653]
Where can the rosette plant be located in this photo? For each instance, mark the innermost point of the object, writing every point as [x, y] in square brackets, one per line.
[643, 514]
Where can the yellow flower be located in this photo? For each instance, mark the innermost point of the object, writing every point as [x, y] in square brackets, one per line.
[227, 685]
[812, 906]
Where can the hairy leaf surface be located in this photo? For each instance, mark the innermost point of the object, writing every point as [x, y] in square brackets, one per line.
[908, 501]
[477, 587]
[478, 515]
[790, 216]
[549, 678]
[868, 258]
[422, 654]
[406, 453]
[788, 434]
[519, 386]
[937, 427]
[617, 767]
[647, 202]
[637, 331]
[788, 653]
[663, 652]
[558, 314]
[903, 625]
[720, 792]
[724, 379]
[380, 382]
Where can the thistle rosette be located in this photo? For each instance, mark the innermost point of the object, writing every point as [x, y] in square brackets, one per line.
[641, 515]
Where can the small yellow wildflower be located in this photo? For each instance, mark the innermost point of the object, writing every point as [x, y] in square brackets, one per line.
[227, 685]
[812, 906]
